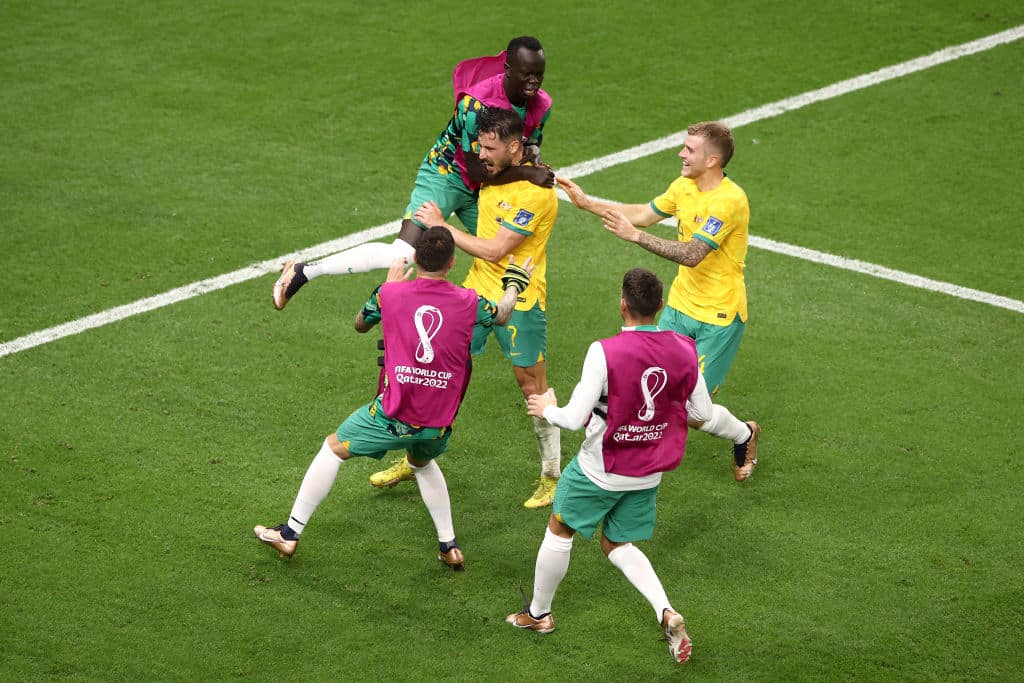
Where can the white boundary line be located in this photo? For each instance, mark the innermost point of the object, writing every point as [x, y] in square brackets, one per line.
[582, 169]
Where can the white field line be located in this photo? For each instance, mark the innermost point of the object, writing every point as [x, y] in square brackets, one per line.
[874, 270]
[575, 171]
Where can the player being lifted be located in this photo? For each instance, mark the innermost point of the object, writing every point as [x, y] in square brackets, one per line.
[451, 172]
[515, 222]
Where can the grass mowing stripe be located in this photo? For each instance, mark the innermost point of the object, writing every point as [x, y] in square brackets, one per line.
[585, 168]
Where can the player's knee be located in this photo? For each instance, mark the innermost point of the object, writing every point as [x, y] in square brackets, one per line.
[608, 546]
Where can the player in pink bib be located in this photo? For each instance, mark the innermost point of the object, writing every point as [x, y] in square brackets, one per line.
[428, 325]
[637, 393]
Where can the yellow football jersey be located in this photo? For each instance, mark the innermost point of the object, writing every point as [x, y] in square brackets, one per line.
[714, 291]
[524, 208]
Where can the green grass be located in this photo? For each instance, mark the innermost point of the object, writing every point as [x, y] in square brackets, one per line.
[148, 148]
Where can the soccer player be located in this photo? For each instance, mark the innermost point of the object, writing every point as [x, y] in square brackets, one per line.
[637, 391]
[515, 222]
[428, 325]
[708, 299]
[451, 172]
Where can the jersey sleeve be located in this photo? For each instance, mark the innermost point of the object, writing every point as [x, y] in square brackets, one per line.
[371, 309]
[587, 394]
[665, 203]
[466, 114]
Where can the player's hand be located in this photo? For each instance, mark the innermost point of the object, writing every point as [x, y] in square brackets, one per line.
[400, 270]
[536, 403]
[616, 223]
[540, 175]
[517, 276]
[429, 215]
[575, 193]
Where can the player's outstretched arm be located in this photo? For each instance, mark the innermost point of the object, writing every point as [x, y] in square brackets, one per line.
[637, 214]
[684, 253]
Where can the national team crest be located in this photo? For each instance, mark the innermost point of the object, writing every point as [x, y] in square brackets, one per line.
[523, 218]
[713, 225]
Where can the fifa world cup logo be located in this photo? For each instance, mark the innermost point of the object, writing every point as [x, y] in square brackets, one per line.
[428, 321]
[652, 382]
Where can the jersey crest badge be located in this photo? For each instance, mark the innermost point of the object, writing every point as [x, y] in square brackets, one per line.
[523, 218]
[713, 226]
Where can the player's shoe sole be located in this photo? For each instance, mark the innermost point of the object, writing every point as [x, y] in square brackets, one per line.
[679, 644]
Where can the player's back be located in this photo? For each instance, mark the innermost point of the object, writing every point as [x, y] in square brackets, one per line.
[427, 327]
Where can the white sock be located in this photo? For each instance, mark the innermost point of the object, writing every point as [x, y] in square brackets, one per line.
[552, 564]
[637, 568]
[315, 486]
[434, 491]
[725, 425]
[549, 441]
[360, 259]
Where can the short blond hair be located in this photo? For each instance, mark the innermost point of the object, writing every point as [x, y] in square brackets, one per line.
[718, 134]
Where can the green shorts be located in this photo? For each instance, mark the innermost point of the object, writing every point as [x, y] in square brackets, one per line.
[716, 345]
[524, 340]
[370, 433]
[581, 504]
[450, 193]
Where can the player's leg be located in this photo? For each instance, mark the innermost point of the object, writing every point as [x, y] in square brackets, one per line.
[716, 349]
[524, 343]
[316, 484]
[533, 380]
[450, 194]
[743, 435]
[632, 519]
[428, 445]
[359, 259]
[579, 505]
[366, 257]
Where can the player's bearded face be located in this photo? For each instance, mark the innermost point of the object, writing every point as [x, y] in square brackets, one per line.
[496, 154]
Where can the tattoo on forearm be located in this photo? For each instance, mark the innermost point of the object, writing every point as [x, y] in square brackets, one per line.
[684, 253]
[506, 305]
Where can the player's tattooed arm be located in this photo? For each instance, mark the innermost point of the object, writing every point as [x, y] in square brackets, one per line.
[684, 253]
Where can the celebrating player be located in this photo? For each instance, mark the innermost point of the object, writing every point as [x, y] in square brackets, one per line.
[515, 222]
[708, 299]
[451, 172]
[428, 325]
[635, 395]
